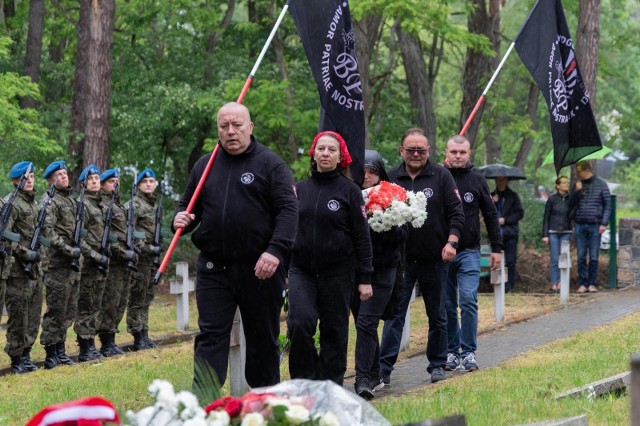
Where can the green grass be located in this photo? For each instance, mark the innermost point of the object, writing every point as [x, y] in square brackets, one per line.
[518, 391]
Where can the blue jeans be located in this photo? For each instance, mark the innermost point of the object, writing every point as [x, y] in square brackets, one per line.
[432, 278]
[587, 240]
[462, 290]
[555, 244]
[510, 256]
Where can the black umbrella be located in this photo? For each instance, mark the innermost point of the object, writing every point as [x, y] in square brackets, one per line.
[491, 171]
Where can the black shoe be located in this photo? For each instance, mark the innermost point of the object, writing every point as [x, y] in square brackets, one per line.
[376, 383]
[147, 341]
[386, 378]
[109, 347]
[85, 354]
[138, 341]
[26, 360]
[363, 388]
[437, 375]
[51, 361]
[92, 348]
[62, 356]
[17, 366]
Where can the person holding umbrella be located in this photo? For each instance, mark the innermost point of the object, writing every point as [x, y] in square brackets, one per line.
[510, 212]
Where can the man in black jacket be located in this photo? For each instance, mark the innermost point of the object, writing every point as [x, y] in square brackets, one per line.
[590, 203]
[429, 249]
[247, 214]
[464, 270]
[510, 212]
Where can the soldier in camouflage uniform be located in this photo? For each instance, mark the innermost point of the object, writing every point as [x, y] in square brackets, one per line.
[142, 288]
[23, 297]
[61, 279]
[116, 294]
[94, 268]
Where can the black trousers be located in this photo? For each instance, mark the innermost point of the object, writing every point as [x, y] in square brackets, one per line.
[219, 291]
[368, 314]
[314, 298]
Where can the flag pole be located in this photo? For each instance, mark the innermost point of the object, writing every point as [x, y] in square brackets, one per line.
[205, 173]
[484, 94]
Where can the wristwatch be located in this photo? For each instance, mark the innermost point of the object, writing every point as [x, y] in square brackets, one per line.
[453, 244]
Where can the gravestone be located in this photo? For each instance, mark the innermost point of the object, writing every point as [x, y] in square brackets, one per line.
[181, 286]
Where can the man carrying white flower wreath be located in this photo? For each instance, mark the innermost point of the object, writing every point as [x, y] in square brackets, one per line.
[428, 250]
[464, 270]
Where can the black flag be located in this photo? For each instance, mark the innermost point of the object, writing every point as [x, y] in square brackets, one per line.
[328, 39]
[545, 46]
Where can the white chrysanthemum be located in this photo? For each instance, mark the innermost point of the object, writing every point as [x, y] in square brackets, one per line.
[187, 399]
[329, 419]
[142, 417]
[195, 422]
[163, 392]
[253, 419]
[218, 418]
[275, 400]
[297, 414]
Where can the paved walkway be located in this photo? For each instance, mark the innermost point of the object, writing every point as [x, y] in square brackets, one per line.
[517, 338]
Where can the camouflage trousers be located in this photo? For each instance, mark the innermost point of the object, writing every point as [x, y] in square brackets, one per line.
[140, 297]
[115, 297]
[23, 299]
[61, 286]
[92, 284]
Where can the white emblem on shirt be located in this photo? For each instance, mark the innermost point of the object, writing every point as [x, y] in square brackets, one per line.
[428, 192]
[333, 205]
[468, 197]
[247, 178]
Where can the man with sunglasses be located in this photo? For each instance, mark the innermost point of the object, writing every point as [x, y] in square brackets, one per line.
[428, 251]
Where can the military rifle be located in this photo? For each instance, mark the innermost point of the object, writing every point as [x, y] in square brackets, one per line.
[105, 244]
[34, 245]
[7, 208]
[157, 234]
[131, 227]
[77, 232]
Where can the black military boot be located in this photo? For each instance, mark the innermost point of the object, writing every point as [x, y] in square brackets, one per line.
[147, 341]
[62, 356]
[17, 366]
[85, 350]
[51, 361]
[26, 360]
[109, 347]
[92, 348]
[116, 348]
[138, 341]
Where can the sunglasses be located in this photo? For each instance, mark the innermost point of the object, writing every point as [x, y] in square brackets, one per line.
[411, 151]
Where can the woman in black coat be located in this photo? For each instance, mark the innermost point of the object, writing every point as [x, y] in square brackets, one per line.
[556, 227]
[387, 253]
[330, 257]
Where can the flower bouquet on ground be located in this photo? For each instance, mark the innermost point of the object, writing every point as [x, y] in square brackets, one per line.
[388, 205]
[296, 402]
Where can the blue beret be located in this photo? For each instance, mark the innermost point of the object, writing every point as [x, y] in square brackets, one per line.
[20, 169]
[108, 174]
[146, 173]
[54, 167]
[92, 169]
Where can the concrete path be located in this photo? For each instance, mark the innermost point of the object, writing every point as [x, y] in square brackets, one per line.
[514, 339]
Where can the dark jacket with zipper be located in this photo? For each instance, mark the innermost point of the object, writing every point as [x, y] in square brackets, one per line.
[510, 208]
[556, 215]
[247, 206]
[333, 234]
[592, 204]
[444, 211]
[476, 199]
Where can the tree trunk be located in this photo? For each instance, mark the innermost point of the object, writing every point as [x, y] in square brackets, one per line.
[9, 9]
[587, 41]
[97, 141]
[214, 37]
[367, 33]
[33, 54]
[478, 65]
[527, 143]
[81, 91]
[420, 84]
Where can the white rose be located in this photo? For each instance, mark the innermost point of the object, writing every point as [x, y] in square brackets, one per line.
[218, 418]
[195, 422]
[297, 414]
[142, 417]
[329, 419]
[253, 419]
[187, 399]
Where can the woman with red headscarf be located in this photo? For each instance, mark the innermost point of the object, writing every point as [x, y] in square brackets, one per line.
[330, 257]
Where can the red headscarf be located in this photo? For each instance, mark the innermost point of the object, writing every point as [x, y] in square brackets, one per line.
[345, 158]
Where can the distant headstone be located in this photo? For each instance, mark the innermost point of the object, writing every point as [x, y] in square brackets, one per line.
[181, 286]
[568, 421]
[458, 420]
[617, 383]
